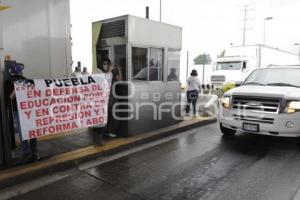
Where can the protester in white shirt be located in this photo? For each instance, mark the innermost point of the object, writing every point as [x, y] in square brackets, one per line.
[193, 88]
[77, 72]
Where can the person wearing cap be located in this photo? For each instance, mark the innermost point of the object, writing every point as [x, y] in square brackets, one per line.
[193, 88]
[29, 147]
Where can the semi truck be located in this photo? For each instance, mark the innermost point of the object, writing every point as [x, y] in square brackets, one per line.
[239, 61]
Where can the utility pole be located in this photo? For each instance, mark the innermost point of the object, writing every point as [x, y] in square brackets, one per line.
[245, 20]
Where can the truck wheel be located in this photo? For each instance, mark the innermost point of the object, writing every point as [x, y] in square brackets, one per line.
[227, 131]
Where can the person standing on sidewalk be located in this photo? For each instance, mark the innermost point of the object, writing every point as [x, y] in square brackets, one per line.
[85, 72]
[29, 147]
[107, 130]
[193, 88]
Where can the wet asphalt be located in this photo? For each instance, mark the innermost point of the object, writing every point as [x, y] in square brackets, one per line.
[198, 165]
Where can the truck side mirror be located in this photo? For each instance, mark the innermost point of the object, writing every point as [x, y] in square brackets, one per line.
[238, 83]
[244, 65]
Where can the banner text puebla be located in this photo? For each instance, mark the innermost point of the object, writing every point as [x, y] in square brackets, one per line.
[58, 105]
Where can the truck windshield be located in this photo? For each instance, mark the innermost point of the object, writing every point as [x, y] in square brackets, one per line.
[229, 65]
[275, 77]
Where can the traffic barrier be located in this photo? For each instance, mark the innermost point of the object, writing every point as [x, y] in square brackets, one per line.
[207, 88]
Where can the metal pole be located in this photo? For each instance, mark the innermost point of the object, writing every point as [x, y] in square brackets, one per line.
[264, 42]
[245, 26]
[147, 12]
[203, 74]
[160, 10]
[187, 65]
[299, 54]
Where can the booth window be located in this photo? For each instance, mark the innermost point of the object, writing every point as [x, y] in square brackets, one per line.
[173, 65]
[140, 68]
[155, 64]
[120, 59]
[140, 63]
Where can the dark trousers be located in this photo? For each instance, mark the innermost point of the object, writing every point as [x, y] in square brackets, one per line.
[192, 97]
[111, 122]
[29, 147]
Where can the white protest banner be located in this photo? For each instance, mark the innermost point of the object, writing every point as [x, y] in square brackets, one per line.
[54, 106]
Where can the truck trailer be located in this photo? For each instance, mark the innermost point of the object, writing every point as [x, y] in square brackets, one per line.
[35, 33]
[38, 34]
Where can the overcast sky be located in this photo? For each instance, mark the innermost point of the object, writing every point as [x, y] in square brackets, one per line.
[208, 25]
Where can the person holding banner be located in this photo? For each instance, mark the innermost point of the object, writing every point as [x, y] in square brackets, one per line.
[29, 147]
[116, 73]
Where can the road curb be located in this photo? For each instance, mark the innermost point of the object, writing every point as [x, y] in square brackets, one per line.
[72, 159]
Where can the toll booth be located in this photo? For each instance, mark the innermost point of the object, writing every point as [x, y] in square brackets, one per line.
[148, 53]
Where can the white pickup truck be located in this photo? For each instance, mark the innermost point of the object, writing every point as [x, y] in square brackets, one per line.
[267, 103]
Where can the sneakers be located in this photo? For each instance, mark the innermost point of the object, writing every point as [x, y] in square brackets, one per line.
[35, 157]
[111, 135]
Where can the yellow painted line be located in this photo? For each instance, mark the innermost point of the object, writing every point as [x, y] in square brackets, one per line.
[87, 151]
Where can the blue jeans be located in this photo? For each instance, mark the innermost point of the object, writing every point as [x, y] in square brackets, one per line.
[192, 97]
[29, 147]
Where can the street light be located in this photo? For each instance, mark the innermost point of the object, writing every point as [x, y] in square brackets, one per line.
[298, 44]
[267, 18]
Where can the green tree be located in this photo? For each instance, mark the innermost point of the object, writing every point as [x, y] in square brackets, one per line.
[203, 59]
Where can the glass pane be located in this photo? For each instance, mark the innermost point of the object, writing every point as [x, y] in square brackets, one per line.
[275, 76]
[173, 65]
[120, 59]
[101, 55]
[229, 66]
[155, 64]
[139, 63]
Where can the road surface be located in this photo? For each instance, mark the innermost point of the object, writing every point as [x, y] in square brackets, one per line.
[198, 164]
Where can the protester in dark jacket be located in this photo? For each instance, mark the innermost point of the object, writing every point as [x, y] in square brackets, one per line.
[29, 147]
